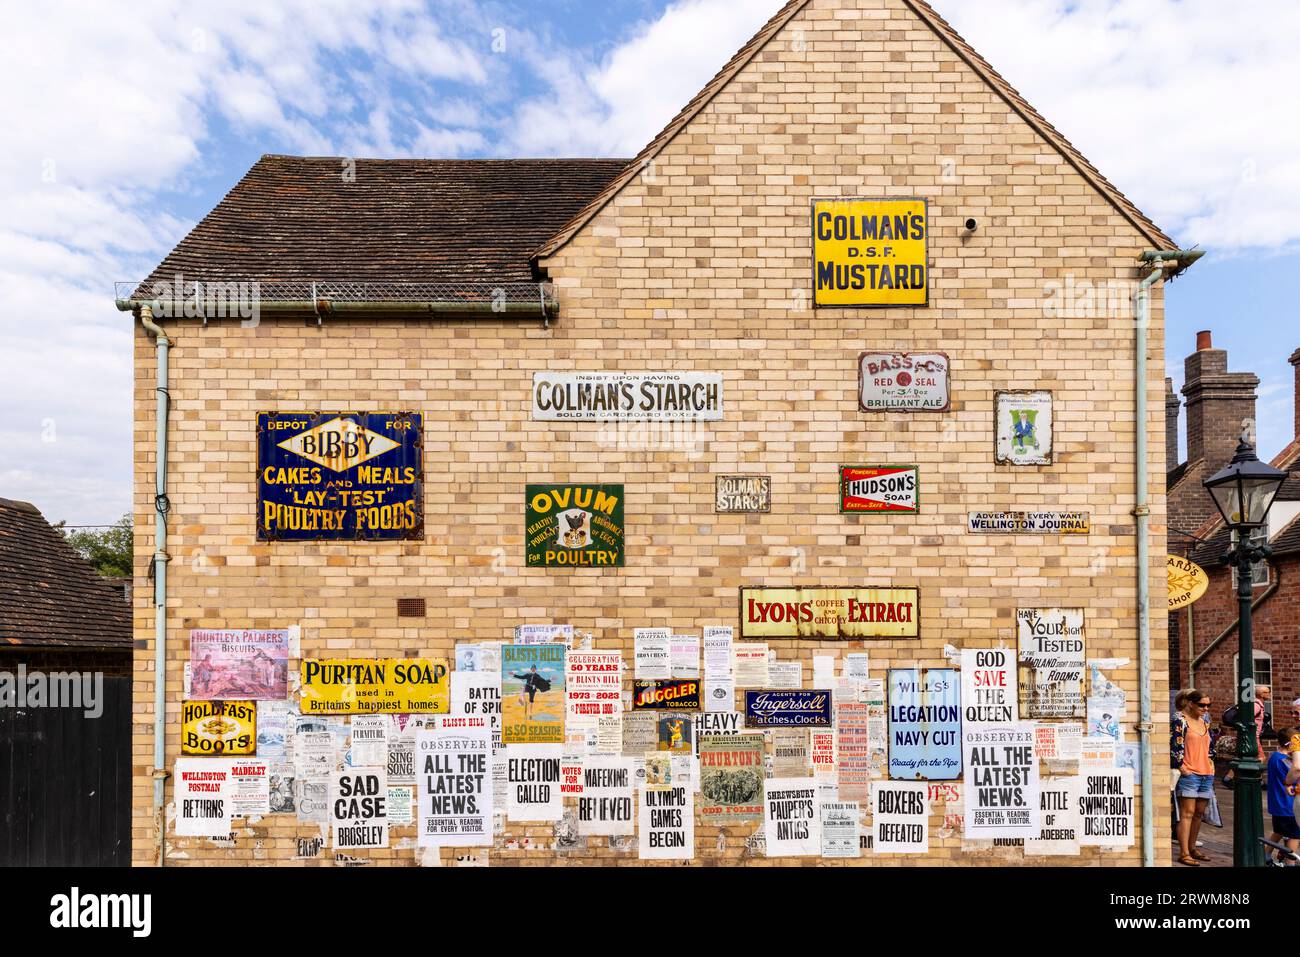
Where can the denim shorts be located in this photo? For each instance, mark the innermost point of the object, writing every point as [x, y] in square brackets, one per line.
[1195, 786]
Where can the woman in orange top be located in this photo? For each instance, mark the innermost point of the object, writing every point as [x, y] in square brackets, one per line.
[1192, 752]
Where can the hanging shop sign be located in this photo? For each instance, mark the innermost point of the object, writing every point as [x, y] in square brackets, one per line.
[787, 709]
[375, 686]
[742, 493]
[1024, 428]
[870, 252]
[1029, 523]
[340, 476]
[672, 694]
[1187, 582]
[924, 724]
[218, 727]
[832, 613]
[731, 777]
[569, 526]
[627, 396]
[879, 488]
[903, 382]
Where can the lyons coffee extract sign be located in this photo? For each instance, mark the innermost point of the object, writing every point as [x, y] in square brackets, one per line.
[833, 613]
[870, 252]
[574, 525]
[903, 382]
[879, 488]
[340, 476]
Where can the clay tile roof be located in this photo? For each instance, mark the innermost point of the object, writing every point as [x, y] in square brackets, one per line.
[946, 33]
[1287, 541]
[294, 220]
[1216, 538]
[49, 596]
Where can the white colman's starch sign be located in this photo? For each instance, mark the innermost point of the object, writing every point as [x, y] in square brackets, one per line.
[627, 396]
[903, 382]
[1001, 781]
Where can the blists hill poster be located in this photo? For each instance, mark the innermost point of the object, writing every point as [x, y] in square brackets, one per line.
[532, 694]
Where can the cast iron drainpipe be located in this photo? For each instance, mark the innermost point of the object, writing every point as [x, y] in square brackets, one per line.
[1180, 259]
[160, 558]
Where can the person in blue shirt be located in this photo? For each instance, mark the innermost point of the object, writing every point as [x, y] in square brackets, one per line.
[1280, 798]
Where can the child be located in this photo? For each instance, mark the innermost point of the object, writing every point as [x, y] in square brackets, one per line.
[1280, 798]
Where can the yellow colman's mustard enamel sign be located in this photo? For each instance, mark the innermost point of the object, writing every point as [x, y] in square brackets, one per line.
[1187, 582]
[870, 252]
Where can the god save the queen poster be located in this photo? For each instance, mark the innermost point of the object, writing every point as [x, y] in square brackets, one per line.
[340, 476]
[571, 526]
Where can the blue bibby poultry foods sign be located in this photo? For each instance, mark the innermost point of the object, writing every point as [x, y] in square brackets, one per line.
[340, 476]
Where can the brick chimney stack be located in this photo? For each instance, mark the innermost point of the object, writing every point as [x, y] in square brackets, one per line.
[1295, 361]
[1219, 402]
[1172, 405]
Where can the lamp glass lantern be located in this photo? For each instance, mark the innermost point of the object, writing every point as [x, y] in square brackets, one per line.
[1244, 490]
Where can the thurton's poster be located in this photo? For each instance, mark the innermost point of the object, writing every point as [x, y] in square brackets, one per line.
[532, 694]
[375, 686]
[571, 526]
[731, 777]
[340, 476]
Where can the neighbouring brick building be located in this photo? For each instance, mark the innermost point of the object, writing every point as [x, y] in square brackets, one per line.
[1203, 638]
[696, 256]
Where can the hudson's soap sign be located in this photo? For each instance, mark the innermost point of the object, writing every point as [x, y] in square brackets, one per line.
[344, 476]
[574, 525]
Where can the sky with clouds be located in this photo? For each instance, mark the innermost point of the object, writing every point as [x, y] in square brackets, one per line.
[129, 121]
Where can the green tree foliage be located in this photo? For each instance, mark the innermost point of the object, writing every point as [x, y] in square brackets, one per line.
[109, 550]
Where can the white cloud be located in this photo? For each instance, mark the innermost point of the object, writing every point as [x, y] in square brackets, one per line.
[1180, 102]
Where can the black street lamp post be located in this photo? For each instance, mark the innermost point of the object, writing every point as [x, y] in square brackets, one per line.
[1243, 493]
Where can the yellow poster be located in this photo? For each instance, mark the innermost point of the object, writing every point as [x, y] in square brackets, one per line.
[218, 727]
[375, 686]
[870, 252]
[843, 613]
